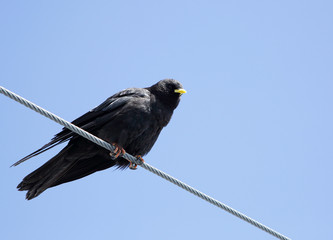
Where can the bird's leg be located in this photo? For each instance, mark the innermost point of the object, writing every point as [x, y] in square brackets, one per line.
[118, 151]
[133, 165]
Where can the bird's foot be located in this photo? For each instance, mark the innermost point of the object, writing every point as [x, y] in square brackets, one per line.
[118, 151]
[134, 166]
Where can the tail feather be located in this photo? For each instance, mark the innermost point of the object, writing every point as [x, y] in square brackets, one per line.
[42, 178]
[68, 165]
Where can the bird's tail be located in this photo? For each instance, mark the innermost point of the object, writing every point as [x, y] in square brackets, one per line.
[45, 176]
[73, 162]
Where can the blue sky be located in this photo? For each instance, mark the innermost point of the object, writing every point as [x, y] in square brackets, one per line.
[254, 130]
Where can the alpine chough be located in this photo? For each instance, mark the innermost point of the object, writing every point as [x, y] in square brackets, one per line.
[131, 120]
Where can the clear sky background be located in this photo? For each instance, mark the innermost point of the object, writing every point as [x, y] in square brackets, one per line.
[254, 130]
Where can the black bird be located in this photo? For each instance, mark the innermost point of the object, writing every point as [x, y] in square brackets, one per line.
[131, 120]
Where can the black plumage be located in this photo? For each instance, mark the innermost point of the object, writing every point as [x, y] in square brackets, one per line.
[132, 119]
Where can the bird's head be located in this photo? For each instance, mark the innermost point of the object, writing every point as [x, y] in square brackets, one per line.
[168, 91]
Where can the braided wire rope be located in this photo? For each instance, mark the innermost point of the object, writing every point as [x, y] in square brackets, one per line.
[137, 161]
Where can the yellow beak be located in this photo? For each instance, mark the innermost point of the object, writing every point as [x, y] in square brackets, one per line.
[180, 90]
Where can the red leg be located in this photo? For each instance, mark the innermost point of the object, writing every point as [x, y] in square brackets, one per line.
[134, 166]
[118, 151]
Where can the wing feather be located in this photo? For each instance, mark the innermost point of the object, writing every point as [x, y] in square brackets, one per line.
[91, 120]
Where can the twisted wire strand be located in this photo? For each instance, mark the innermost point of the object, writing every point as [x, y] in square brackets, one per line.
[137, 161]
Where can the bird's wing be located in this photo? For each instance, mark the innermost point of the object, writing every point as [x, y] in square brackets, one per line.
[93, 119]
